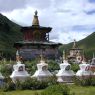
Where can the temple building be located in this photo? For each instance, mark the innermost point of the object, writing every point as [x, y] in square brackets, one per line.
[75, 54]
[36, 41]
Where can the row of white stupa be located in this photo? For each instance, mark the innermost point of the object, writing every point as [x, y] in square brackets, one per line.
[65, 74]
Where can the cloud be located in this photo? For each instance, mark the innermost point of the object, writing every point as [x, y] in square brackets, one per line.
[70, 19]
[91, 1]
[9, 5]
[42, 4]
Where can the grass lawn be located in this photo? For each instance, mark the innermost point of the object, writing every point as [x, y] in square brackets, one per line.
[78, 90]
[20, 92]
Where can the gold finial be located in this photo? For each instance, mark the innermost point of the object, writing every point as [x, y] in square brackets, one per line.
[74, 45]
[93, 55]
[41, 56]
[84, 59]
[64, 55]
[17, 56]
[35, 19]
[36, 12]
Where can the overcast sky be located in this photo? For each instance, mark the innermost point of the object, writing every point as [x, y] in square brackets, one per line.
[70, 19]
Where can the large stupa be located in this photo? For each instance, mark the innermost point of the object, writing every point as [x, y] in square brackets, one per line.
[42, 73]
[35, 39]
[65, 73]
[75, 54]
[19, 73]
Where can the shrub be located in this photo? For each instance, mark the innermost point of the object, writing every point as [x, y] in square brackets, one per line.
[8, 85]
[56, 90]
[29, 83]
[85, 81]
[75, 67]
[51, 80]
[52, 65]
[31, 66]
[34, 84]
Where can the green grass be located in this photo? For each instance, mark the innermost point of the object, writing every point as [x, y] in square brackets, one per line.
[20, 92]
[78, 90]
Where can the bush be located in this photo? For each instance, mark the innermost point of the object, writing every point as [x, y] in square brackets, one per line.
[52, 65]
[6, 69]
[31, 66]
[56, 90]
[75, 67]
[29, 83]
[34, 84]
[8, 85]
[52, 80]
[85, 81]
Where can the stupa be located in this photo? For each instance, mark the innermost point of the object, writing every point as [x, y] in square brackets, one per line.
[75, 54]
[36, 39]
[19, 73]
[65, 73]
[42, 73]
[1, 79]
[92, 64]
[84, 69]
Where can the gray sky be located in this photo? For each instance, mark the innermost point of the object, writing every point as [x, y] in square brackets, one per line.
[70, 19]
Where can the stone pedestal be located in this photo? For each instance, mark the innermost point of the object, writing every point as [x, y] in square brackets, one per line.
[65, 73]
[84, 70]
[19, 73]
[42, 73]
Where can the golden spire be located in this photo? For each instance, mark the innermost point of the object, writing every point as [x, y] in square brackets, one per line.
[35, 19]
[17, 56]
[84, 59]
[74, 44]
[64, 55]
[93, 55]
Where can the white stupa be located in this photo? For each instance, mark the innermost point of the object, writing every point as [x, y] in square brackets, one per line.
[19, 72]
[42, 73]
[84, 69]
[1, 79]
[93, 60]
[65, 73]
[92, 64]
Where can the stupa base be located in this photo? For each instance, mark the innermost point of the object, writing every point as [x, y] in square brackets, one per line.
[65, 79]
[18, 78]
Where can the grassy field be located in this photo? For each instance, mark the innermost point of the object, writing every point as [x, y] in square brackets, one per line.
[78, 90]
[18, 92]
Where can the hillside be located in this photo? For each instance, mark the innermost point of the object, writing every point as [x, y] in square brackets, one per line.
[88, 44]
[9, 33]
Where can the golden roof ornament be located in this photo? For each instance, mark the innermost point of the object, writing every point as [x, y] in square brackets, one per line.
[35, 19]
[93, 55]
[74, 44]
[17, 56]
[36, 13]
[63, 55]
[84, 59]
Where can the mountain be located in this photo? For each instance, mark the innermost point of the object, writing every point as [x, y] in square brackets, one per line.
[88, 44]
[9, 34]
